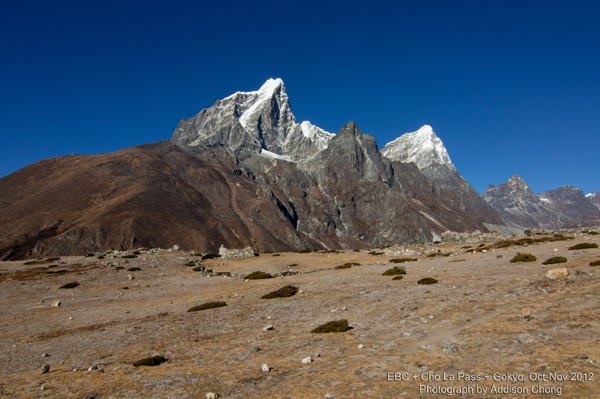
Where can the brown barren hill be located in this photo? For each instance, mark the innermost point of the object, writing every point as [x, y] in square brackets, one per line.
[146, 196]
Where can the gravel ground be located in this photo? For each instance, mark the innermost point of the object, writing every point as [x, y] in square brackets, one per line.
[468, 329]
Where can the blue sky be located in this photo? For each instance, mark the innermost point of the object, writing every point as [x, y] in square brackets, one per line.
[511, 87]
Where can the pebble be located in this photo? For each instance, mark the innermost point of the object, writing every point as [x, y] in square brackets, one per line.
[45, 369]
[129, 277]
[450, 349]
[525, 338]
[344, 308]
[499, 256]
[45, 355]
[330, 395]
[212, 395]
[268, 327]
[361, 346]
[526, 313]
[93, 368]
[56, 304]
[417, 331]
[265, 368]
[306, 360]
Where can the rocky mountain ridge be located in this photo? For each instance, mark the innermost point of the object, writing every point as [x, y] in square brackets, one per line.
[519, 205]
[241, 173]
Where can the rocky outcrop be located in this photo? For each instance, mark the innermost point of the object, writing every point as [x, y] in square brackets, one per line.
[565, 207]
[226, 254]
[453, 237]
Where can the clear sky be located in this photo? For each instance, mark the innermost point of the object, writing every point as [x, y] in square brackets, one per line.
[511, 87]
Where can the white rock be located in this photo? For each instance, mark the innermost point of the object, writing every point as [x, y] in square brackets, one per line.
[555, 274]
[306, 360]
[212, 395]
[268, 327]
[56, 304]
[361, 346]
[265, 368]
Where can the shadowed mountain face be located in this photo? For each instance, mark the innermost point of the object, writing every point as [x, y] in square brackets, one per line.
[595, 199]
[240, 173]
[565, 207]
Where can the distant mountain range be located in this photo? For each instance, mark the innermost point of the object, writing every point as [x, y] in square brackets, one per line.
[244, 172]
[565, 207]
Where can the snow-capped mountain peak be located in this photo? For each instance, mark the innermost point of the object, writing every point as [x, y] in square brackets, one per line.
[422, 147]
[254, 120]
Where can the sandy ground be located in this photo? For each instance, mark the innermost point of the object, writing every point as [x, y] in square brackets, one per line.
[468, 331]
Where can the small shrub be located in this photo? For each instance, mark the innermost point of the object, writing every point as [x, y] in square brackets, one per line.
[556, 259]
[437, 242]
[69, 285]
[402, 260]
[466, 247]
[207, 305]
[427, 281]
[435, 255]
[101, 257]
[129, 256]
[276, 254]
[136, 253]
[395, 271]
[57, 271]
[596, 263]
[347, 265]
[593, 233]
[356, 250]
[125, 288]
[331, 251]
[258, 276]
[375, 253]
[503, 244]
[400, 277]
[40, 261]
[303, 251]
[119, 268]
[585, 245]
[189, 264]
[523, 258]
[332, 327]
[149, 361]
[210, 256]
[89, 254]
[284, 292]
[134, 269]
[293, 264]
[197, 269]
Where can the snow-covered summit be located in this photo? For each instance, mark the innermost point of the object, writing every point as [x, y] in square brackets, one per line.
[256, 120]
[422, 147]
